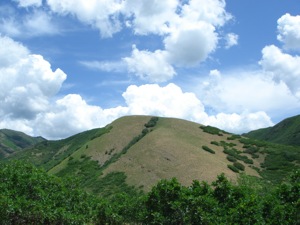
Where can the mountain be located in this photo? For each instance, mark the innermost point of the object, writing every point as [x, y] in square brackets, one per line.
[14, 141]
[286, 132]
[135, 152]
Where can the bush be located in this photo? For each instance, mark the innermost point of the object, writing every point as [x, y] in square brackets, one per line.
[234, 137]
[239, 166]
[31, 196]
[215, 143]
[204, 147]
[233, 168]
[212, 130]
[152, 122]
[231, 158]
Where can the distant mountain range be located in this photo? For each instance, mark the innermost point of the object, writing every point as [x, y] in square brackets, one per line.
[138, 151]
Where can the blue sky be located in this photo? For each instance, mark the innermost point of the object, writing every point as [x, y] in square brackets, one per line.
[71, 65]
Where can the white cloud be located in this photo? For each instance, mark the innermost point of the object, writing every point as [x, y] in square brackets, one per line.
[191, 43]
[231, 40]
[103, 15]
[283, 67]
[171, 101]
[107, 66]
[188, 29]
[210, 11]
[151, 99]
[28, 3]
[71, 114]
[27, 81]
[150, 66]
[38, 23]
[242, 123]
[150, 16]
[289, 31]
[244, 91]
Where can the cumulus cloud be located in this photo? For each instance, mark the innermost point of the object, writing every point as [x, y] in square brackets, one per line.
[188, 29]
[103, 15]
[150, 66]
[171, 101]
[191, 44]
[238, 124]
[71, 114]
[244, 90]
[282, 67]
[27, 80]
[150, 16]
[29, 85]
[289, 31]
[231, 40]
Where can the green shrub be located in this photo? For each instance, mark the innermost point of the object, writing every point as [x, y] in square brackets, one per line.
[239, 166]
[152, 122]
[231, 158]
[31, 196]
[215, 143]
[204, 147]
[211, 130]
[233, 168]
[250, 149]
[234, 137]
[231, 152]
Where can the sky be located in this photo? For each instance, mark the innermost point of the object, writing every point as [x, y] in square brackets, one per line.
[67, 66]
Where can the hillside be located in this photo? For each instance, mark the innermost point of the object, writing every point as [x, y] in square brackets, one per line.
[286, 132]
[14, 141]
[135, 152]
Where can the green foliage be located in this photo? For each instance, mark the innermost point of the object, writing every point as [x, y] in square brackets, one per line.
[48, 154]
[236, 154]
[152, 122]
[286, 132]
[163, 203]
[233, 168]
[204, 147]
[222, 203]
[212, 130]
[234, 137]
[215, 143]
[231, 158]
[239, 166]
[30, 196]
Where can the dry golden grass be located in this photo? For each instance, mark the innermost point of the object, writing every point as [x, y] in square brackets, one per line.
[122, 132]
[174, 149]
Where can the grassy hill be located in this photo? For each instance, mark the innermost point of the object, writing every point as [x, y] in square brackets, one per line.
[14, 141]
[133, 153]
[286, 132]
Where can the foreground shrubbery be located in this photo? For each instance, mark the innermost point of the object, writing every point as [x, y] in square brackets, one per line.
[31, 196]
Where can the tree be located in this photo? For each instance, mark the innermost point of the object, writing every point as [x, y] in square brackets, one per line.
[30, 196]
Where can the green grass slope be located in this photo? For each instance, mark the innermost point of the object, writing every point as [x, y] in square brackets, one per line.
[134, 152]
[286, 132]
[14, 141]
